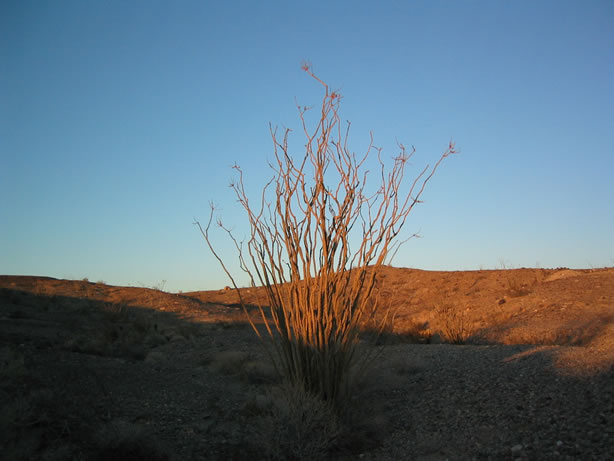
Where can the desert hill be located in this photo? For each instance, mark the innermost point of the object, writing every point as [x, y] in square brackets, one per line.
[512, 306]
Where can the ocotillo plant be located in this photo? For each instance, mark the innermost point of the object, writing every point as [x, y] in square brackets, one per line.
[318, 237]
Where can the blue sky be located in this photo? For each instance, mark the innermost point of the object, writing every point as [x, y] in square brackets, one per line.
[119, 122]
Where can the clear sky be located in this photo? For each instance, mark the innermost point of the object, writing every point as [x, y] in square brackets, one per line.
[119, 122]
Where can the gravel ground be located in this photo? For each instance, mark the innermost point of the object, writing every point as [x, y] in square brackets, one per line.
[81, 360]
[495, 402]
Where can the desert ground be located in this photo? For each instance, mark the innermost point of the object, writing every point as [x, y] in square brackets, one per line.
[486, 365]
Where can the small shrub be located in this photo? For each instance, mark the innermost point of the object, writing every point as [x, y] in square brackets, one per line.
[159, 286]
[413, 331]
[296, 425]
[258, 372]
[190, 330]
[154, 339]
[453, 326]
[515, 289]
[39, 289]
[115, 312]
[156, 357]
[229, 362]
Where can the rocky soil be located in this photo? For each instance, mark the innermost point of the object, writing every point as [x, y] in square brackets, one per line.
[92, 371]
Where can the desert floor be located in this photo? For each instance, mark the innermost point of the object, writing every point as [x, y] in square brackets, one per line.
[93, 371]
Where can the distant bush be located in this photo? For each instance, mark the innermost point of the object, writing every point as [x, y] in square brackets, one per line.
[516, 289]
[453, 325]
